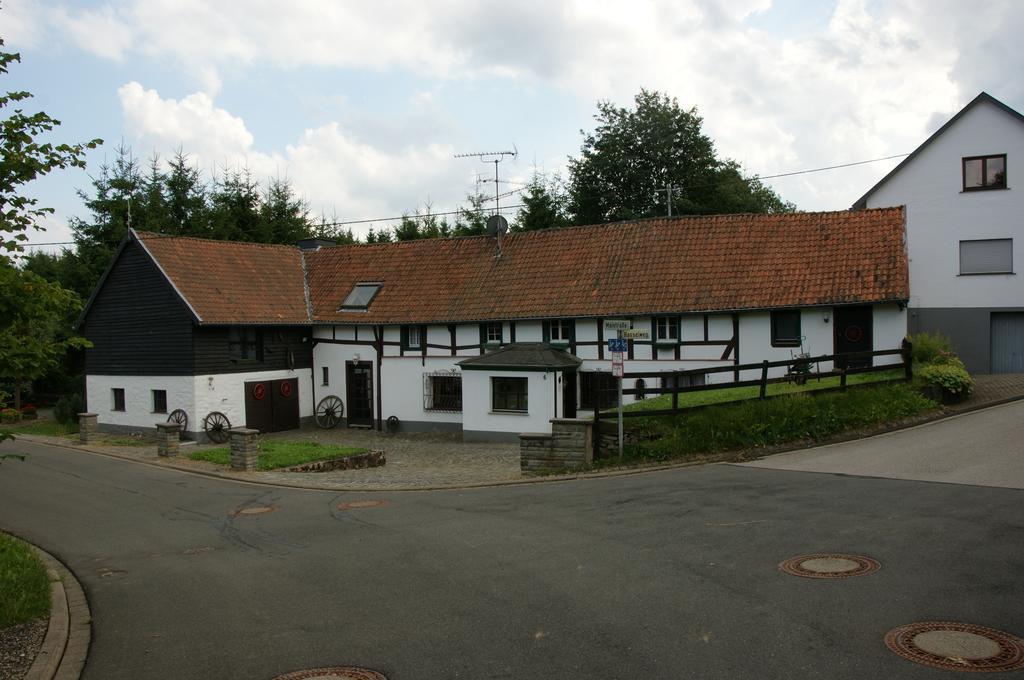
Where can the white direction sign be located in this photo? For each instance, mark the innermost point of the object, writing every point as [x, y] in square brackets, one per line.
[617, 324]
[617, 364]
[637, 334]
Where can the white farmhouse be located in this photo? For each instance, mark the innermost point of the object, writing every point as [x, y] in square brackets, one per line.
[469, 336]
[965, 230]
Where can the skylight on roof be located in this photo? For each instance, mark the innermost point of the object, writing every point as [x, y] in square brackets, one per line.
[360, 297]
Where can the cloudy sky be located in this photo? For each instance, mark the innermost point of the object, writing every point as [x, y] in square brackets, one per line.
[362, 105]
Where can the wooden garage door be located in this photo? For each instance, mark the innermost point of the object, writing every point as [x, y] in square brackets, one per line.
[1008, 342]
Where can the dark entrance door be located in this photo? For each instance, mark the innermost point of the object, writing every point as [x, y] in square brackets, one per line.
[359, 393]
[272, 405]
[853, 331]
[569, 394]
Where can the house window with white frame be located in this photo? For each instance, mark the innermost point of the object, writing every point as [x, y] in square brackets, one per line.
[560, 330]
[666, 329]
[493, 333]
[412, 337]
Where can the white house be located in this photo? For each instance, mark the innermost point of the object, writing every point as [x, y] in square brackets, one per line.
[472, 336]
[965, 230]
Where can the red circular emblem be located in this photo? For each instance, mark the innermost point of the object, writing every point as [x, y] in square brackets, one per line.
[286, 389]
[259, 391]
[854, 333]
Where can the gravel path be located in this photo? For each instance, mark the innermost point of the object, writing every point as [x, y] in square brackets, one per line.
[19, 646]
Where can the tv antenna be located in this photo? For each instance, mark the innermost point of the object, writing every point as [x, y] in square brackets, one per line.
[492, 157]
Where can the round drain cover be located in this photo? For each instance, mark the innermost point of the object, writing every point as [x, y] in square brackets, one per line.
[829, 565]
[957, 646]
[333, 673]
[355, 505]
[255, 510]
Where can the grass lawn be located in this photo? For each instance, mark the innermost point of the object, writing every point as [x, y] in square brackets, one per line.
[45, 428]
[24, 585]
[755, 423]
[730, 394]
[279, 454]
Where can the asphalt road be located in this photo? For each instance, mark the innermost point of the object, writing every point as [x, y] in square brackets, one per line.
[985, 448]
[659, 575]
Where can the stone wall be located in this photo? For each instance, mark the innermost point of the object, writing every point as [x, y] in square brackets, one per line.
[568, 446]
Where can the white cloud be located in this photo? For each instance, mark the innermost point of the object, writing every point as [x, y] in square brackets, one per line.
[101, 32]
[336, 171]
[872, 81]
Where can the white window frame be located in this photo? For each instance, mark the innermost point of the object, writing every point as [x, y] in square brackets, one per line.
[558, 328]
[491, 327]
[414, 338]
[666, 329]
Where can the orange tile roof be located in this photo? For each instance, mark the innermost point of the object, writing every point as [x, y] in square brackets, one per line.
[233, 283]
[662, 265]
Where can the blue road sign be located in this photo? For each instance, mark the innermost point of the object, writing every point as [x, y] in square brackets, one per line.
[617, 345]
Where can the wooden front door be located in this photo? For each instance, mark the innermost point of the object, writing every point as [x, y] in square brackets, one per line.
[853, 333]
[359, 393]
[272, 405]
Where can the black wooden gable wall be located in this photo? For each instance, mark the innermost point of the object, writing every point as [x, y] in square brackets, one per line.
[138, 324]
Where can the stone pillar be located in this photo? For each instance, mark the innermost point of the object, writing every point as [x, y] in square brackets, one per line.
[168, 439]
[569, 446]
[245, 448]
[87, 427]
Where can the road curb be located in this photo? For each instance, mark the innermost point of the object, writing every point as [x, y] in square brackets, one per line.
[66, 644]
[746, 455]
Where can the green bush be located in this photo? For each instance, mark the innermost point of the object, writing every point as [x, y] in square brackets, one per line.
[67, 408]
[951, 376]
[752, 424]
[9, 415]
[931, 348]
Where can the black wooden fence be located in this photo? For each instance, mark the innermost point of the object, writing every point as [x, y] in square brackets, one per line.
[798, 369]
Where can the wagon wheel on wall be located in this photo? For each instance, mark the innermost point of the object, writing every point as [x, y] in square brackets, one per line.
[179, 416]
[216, 426]
[329, 412]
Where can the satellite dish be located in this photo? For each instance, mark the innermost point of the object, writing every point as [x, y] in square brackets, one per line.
[496, 224]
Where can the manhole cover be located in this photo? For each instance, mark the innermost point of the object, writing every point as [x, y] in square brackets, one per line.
[334, 673]
[957, 646]
[353, 505]
[833, 565]
[255, 510]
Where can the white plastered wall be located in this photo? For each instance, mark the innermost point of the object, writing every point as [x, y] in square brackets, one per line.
[225, 392]
[138, 398]
[940, 214]
[478, 416]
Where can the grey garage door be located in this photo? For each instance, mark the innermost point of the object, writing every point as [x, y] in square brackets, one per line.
[1008, 342]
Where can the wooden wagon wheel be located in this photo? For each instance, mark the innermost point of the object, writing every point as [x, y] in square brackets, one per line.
[216, 426]
[329, 412]
[179, 416]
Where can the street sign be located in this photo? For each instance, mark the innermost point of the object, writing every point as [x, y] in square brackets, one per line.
[617, 324]
[637, 334]
[617, 369]
[617, 345]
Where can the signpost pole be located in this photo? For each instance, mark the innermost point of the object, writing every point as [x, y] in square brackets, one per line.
[620, 408]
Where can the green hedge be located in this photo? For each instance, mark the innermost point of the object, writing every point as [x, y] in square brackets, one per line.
[753, 424]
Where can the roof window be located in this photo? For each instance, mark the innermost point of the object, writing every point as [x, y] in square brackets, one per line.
[360, 297]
